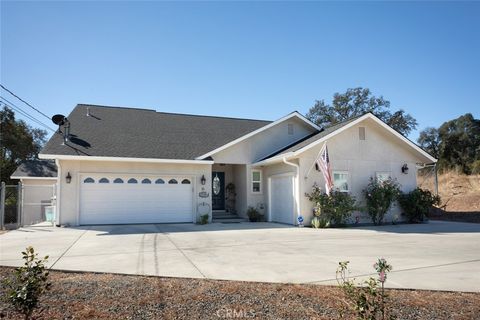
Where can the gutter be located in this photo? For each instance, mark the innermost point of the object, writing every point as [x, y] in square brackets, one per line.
[121, 159]
[296, 185]
[57, 194]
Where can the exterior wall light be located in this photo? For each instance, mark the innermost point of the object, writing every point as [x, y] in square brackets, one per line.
[68, 177]
[405, 169]
[203, 180]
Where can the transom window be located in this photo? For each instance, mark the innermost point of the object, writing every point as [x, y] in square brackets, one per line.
[256, 181]
[340, 181]
[382, 176]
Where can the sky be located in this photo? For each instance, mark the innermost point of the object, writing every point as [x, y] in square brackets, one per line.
[257, 60]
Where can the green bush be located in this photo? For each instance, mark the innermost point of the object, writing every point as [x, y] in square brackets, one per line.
[319, 222]
[334, 209]
[380, 196]
[253, 214]
[417, 203]
[28, 283]
[203, 219]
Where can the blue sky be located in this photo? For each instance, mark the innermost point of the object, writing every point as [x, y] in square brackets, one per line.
[241, 59]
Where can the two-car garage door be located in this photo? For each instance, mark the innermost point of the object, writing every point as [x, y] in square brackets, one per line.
[117, 199]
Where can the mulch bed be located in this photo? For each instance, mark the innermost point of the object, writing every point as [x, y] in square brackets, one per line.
[110, 296]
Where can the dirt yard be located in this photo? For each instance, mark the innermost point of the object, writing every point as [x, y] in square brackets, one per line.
[109, 296]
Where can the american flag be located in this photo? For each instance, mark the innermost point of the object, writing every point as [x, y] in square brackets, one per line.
[323, 163]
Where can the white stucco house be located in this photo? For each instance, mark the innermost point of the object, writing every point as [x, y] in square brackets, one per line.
[125, 165]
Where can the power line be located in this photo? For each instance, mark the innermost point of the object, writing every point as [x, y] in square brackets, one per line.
[10, 105]
[28, 104]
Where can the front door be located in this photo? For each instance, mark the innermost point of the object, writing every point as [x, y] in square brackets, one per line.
[218, 190]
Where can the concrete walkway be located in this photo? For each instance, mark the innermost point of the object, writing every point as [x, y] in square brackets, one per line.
[437, 255]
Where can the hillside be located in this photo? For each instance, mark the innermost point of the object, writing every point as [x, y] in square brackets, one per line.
[459, 192]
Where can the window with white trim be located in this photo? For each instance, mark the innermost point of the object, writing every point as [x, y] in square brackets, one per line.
[382, 175]
[340, 181]
[256, 181]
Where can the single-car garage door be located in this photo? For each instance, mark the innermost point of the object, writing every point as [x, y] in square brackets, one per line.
[282, 199]
[108, 199]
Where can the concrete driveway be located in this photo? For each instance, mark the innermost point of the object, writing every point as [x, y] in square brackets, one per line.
[437, 255]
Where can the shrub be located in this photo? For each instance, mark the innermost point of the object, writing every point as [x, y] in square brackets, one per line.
[380, 195]
[28, 283]
[367, 300]
[253, 214]
[203, 219]
[417, 203]
[335, 208]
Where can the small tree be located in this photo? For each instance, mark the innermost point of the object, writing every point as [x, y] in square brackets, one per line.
[336, 208]
[28, 283]
[417, 203]
[380, 196]
[368, 301]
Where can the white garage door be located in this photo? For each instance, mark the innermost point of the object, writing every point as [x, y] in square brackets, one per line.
[282, 207]
[106, 199]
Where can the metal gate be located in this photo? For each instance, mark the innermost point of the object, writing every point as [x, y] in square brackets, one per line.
[22, 205]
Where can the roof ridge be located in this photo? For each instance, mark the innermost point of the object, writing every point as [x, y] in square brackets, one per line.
[171, 113]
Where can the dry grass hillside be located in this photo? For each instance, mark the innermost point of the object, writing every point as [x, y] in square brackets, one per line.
[460, 194]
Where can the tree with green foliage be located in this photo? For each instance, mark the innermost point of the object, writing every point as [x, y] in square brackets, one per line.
[356, 102]
[456, 144]
[18, 142]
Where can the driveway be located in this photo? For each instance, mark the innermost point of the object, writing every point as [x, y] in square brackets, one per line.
[437, 255]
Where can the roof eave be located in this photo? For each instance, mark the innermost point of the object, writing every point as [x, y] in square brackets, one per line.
[122, 159]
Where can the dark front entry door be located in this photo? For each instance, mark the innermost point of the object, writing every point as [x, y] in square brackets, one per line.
[218, 190]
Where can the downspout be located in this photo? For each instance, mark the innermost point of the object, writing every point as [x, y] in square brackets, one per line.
[297, 185]
[57, 195]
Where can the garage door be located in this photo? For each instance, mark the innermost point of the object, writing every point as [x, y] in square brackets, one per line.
[282, 207]
[108, 199]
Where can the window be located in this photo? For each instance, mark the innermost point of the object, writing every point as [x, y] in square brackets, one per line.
[118, 180]
[89, 180]
[185, 181]
[159, 181]
[382, 176]
[256, 181]
[146, 181]
[340, 181]
[290, 128]
[361, 133]
[172, 181]
[103, 180]
[132, 180]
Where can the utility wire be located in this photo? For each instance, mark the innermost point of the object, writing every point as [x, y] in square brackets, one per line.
[10, 105]
[28, 104]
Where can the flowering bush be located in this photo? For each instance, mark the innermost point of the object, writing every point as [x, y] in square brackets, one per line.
[417, 203]
[368, 301]
[335, 208]
[380, 195]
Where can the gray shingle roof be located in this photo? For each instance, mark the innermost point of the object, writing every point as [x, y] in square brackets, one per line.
[143, 133]
[36, 169]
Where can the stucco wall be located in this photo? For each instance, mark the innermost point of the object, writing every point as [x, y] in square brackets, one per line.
[380, 151]
[69, 193]
[264, 143]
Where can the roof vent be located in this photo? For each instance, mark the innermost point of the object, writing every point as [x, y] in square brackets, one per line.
[88, 111]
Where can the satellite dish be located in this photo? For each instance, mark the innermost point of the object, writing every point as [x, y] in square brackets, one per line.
[58, 119]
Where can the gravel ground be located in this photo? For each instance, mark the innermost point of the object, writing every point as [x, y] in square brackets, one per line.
[110, 296]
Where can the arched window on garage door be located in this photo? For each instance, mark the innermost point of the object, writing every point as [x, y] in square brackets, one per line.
[172, 181]
[89, 180]
[146, 181]
[132, 180]
[104, 180]
[185, 181]
[159, 181]
[118, 180]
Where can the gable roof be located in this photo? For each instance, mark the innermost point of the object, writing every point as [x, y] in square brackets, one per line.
[36, 169]
[322, 136]
[240, 139]
[143, 133]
